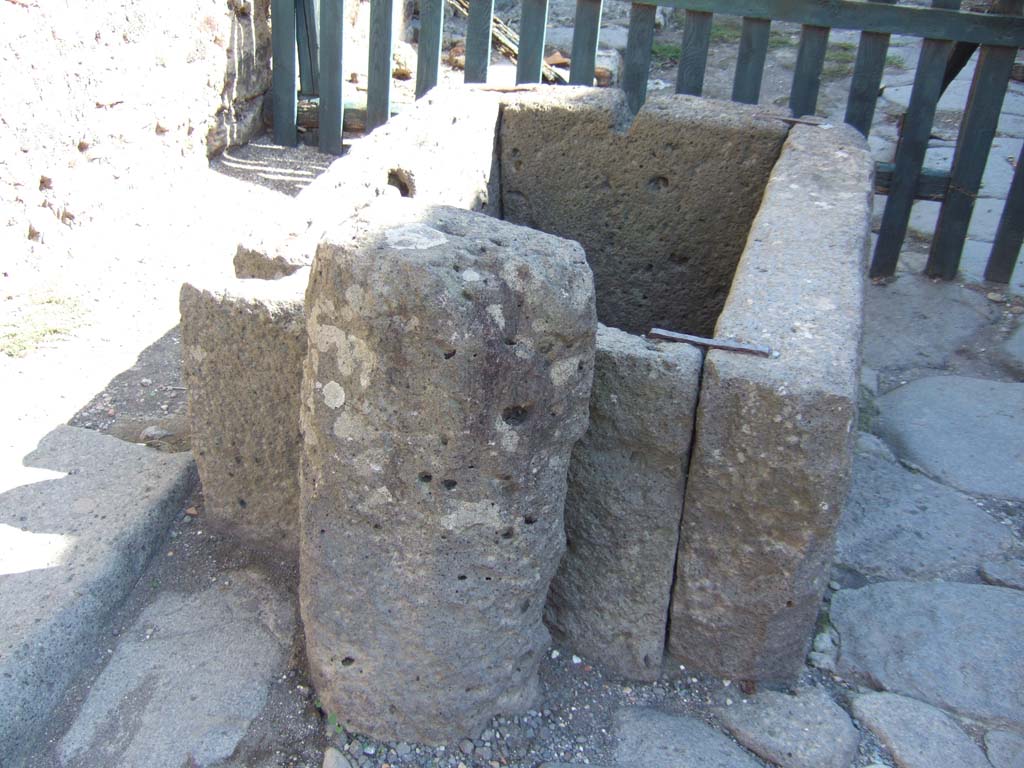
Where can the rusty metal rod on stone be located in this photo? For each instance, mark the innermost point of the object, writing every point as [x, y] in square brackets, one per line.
[726, 344]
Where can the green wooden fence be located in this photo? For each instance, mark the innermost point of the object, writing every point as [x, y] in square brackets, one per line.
[999, 35]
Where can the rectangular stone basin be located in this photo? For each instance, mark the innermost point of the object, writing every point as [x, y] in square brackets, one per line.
[704, 498]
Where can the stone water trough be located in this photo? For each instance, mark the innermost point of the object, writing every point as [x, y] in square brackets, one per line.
[430, 384]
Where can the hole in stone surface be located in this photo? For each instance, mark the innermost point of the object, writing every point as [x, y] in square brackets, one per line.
[449, 484]
[402, 181]
[525, 606]
[647, 661]
[462, 577]
[789, 603]
[510, 342]
[530, 519]
[449, 354]
[657, 183]
[242, 503]
[514, 415]
[508, 533]
[348, 661]
[376, 526]
[425, 477]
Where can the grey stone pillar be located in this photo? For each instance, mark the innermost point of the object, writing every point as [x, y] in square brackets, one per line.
[448, 377]
[243, 344]
[611, 593]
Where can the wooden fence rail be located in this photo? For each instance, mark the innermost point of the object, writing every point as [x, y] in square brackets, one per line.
[905, 180]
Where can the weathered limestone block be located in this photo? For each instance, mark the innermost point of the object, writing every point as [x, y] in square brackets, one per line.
[662, 205]
[448, 376]
[771, 461]
[440, 151]
[611, 594]
[242, 351]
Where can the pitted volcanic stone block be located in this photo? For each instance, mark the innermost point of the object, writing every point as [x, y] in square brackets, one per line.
[661, 206]
[242, 350]
[448, 377]
[774, 440]
[441, 151]
[611, 593]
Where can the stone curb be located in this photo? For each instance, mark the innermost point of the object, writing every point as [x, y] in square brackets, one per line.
[74, 543]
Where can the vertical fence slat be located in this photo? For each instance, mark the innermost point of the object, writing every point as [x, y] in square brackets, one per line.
[532, 26]
[638, 54]
[867, 78]
[1010, 234]
[693, 58]
[977, 129]
[746, 84]
[378, 79]
[584, 42]
[917, 126]
[307, 40]
[803, 96]
[478, 40]
[428, 57]
[285, 98]
[332, 14]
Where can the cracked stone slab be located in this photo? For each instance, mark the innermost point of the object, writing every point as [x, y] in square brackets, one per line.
[903, 319]
[1004, 573]
[657, 739]
[72, 545]
[963, 431]
[917, 735]
[807, 730]
[900, 525]
[187, 679]
[1005, 749]
[911, 639]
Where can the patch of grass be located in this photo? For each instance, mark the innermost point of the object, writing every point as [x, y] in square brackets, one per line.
[725, 32]
[839, 60]
[778, 39]
[40, 319]
[895, 60]
[665, 53]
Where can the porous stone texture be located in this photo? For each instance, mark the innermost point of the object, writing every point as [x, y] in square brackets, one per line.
[900, 525]
[910, 639]
[626, 478]
[662, 205]
[441, 151]
[1005, 749]
[917, 735]
[243, 347]
[963, 431]
[448, 376]
[1004, 573]
[657, 739]
[771, 460]
[807, 730]
[72, 544]
[186, 679]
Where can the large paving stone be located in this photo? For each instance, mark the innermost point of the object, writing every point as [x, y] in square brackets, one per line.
[662, 205]
[626, 478]
[966, 432]
[807, 730]
[959, 647]
[242, 350]
[71, 547]
[1005, 749]
[900, 525]
[448, 377]
[656, 739]
[917, 735]
[187, 679]
[771, 460]
[916, 323]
